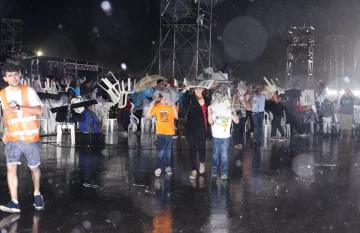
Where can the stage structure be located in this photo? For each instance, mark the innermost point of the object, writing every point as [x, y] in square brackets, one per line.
[300, 52]
[184, 39]
[11, 33]
[40, 65]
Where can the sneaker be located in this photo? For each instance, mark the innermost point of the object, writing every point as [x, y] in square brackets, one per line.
[239, 146]
[39, 202]
[193, 175]
[202, 168]
[11, 207]
[273, 138]
[213, 172]
[157, 172]
[224, 177]
[168, 171]
[282, 139]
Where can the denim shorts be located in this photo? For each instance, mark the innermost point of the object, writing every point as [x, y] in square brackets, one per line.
[31, 150]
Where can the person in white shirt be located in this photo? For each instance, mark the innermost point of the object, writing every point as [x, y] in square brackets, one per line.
[220, 127]
[21, 105]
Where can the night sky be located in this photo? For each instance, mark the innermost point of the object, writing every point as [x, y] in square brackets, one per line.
[80, 29]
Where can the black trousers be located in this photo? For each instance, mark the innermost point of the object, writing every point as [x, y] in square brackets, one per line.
[249, 116]
[138, 114]
[196, 144]
[276, 125]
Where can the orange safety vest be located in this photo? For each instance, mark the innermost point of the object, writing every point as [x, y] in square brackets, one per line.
[26, 126]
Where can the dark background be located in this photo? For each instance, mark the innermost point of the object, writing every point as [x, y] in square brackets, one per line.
[80, 29]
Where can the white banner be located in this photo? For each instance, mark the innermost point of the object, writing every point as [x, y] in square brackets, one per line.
[307, 98]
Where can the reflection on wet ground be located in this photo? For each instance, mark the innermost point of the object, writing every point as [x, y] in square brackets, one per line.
[307, 184]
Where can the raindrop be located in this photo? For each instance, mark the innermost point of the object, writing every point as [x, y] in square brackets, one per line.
[275, 209]
[153, 42]
[308, 166]
[238, 163]
[106, 6]
[60, 26]
[87, 224]
[75, 230]
[123, 66]
[95, 30]
[50, 181]
[219, 37]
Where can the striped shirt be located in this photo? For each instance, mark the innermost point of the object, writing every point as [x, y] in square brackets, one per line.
[239, 107]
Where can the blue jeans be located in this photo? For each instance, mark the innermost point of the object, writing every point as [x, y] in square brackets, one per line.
[163, 150]
[258, 119]
[126, 119]
[220, 149]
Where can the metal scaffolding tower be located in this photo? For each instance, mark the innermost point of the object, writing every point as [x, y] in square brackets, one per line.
[334, 60]
[184, 39]
[11, 32]
[300, 52]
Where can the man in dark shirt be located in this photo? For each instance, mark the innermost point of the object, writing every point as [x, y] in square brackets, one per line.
[346, 110]
[276, 107]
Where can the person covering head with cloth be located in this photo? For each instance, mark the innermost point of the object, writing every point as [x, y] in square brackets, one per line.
[346, 110]
[20, 105]
[197, 127]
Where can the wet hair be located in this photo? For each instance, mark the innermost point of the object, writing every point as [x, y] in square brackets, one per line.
[159, 81]
[9, 67]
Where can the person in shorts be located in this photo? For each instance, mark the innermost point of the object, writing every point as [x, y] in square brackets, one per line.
[21, 105]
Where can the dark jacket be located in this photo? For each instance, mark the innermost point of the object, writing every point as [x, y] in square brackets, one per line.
[327, 108]
[195, 123]
[277, 109]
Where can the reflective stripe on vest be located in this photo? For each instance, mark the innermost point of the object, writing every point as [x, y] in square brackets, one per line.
[23, 119]
[25, 128]
[25, 132]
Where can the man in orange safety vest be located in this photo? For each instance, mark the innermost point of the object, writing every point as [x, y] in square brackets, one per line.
[21, 106]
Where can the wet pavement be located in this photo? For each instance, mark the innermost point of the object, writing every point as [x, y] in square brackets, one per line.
[307, 184]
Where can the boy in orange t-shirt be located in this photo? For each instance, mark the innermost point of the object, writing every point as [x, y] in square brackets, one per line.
[165, 129]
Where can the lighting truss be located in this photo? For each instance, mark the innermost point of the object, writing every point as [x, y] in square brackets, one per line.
[300, 50]
[73, 66]
[185, 30]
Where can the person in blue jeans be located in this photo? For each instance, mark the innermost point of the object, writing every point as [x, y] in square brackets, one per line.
[220, 127]
[165, 130]
[258, 107]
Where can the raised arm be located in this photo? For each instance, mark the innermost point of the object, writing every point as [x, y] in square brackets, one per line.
[210, 119]
[148, 114]
[176, 114]
[235, 118]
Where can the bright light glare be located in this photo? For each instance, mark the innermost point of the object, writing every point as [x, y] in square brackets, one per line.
[342, 92]
[39, 53]
[106, 6]
[356, 92]
[123, 66]
[346, 79]
[332, 92]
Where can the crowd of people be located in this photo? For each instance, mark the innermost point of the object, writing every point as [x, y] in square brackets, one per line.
[245, 115]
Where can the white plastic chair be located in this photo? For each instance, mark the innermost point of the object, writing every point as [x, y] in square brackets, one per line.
[286, 126]
[134, 121]
[267, 124]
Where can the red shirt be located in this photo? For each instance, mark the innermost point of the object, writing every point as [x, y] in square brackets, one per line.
[128, 105]
[203, 107]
